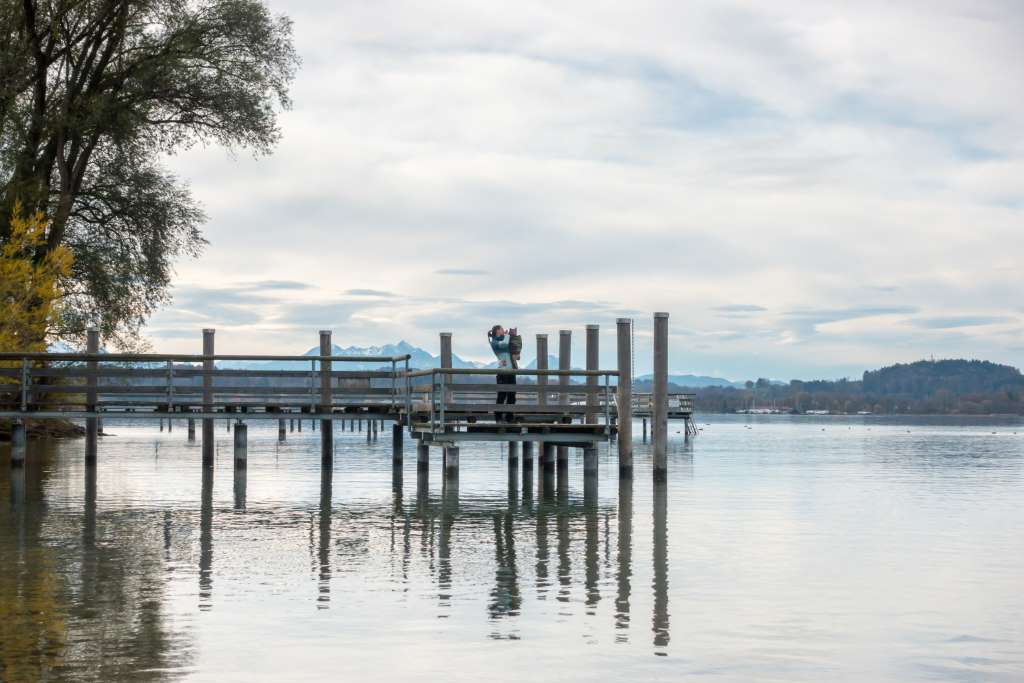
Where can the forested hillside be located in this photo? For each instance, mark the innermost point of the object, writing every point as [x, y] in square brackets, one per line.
[970, 387]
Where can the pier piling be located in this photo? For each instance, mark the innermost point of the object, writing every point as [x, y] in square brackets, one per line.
[191, 430]
[396, 443]
[528, 455]
[241, 445]
[547, 458]
[92, 345]
[326, 401]
[281, 431]
[590, 461]
[451, 461]
[513, 454]
[564, 363]
[592, 341]
[208, 447]
[422, 456]
[659, 397]
[18, 444]
[624, 396]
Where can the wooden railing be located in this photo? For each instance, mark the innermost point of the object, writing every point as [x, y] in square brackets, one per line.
[79, 385]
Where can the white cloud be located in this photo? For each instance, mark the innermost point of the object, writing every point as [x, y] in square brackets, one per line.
[656, 155]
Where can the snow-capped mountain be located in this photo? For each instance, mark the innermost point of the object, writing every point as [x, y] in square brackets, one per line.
[419, 358]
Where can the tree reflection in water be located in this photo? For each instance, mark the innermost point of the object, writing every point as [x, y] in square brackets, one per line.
[82, 593]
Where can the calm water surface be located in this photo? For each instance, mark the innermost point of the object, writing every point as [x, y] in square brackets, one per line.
[780, 549]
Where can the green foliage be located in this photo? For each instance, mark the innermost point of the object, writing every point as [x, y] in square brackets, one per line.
[93, 94]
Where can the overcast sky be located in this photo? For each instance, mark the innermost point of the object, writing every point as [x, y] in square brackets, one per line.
[810, 189]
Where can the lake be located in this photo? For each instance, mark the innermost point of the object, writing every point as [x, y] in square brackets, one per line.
[780, 548]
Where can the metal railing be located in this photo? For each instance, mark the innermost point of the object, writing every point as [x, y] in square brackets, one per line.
[82, 384]
[443, 400]
[678, 404]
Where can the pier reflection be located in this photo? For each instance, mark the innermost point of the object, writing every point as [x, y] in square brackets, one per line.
[323, 598]
[82, 584]
[206, 541]
[660, 554]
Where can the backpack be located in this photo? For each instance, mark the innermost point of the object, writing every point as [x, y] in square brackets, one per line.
[515, 344]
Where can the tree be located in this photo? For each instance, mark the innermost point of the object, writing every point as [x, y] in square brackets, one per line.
[93, 95]
[29, 286]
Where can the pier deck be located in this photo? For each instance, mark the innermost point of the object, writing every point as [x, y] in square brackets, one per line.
[438, 407]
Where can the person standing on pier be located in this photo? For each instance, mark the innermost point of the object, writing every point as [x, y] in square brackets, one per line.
[506, 345]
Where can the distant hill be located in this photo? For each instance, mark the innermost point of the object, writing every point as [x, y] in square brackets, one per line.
[954, 386]
[692, 381]
[925, 379]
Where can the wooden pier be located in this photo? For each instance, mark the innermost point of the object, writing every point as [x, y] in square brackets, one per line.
[439, 407]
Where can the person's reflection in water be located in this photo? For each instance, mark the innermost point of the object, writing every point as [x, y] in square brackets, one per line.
[660, 620]
[206, 541]
[506, 600]
[625, 559]
[449, 509]
[323, 598]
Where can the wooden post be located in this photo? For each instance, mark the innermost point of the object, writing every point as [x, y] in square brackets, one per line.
[191, 430]
[92, 346]
[542, 364]
[18, 443]
[513, 454]
[590, 461]
[624, 396]
[422, 456]
[291, 424]
[542, 380]
[326, 401]
[375, 425]
[528, 455]
[446, 349]
[208, 445]
[282, 431]
[451, 461]
[446, 362]
[564, 363]
[547, 458]
[369, 431]
[241, 445]
[396, 443]
[645, 430]
[593, 341]
[659, 397]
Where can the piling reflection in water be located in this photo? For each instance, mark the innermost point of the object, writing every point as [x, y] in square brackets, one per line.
[323, 598]
[624, 569]
[660, 553]
[82, 590]
[555, 540]
[206, 541]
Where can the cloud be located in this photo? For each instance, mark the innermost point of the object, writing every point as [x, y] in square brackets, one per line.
[954, 322]
[683, 158]
[460, 271]
[275, 285]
